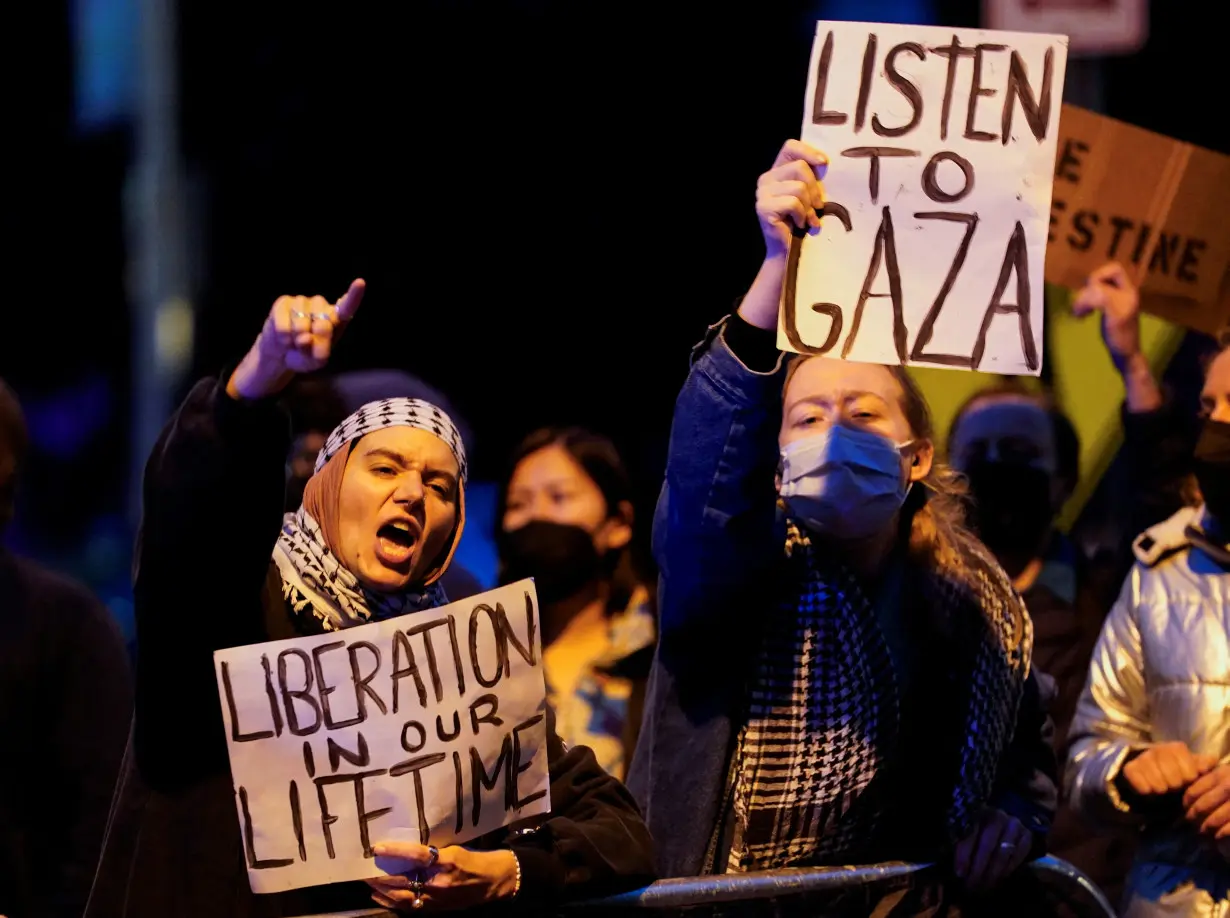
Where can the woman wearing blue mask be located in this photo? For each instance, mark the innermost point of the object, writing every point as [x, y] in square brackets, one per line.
[843, 670]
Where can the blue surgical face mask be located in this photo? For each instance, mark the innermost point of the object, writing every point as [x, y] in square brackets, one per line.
[844, 483]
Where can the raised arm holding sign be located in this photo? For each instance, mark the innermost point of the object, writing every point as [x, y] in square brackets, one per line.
[868, 696]
[366, 718]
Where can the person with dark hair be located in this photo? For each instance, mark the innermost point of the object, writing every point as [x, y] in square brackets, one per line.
[380, 519]
[1005, 440]
[843, 674]
[65, 711]
[565, 517]
[1021, 455]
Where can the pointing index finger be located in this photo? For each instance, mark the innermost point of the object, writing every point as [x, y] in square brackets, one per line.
[348, 305]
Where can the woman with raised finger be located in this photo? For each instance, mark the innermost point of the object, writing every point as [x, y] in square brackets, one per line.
[219, 566]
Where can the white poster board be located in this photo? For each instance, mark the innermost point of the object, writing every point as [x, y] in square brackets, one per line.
[941, 147]
[429, 727]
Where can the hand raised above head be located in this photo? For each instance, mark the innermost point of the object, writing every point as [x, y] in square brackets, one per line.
[298, 336]
[1110, 291]
[790, 193]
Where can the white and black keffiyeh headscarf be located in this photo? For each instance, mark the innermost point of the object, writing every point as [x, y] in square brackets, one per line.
[314, 581]
[395, 412]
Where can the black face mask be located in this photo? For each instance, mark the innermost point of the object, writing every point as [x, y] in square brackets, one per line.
[561, 558]
[1012, 508]
[1212, 467]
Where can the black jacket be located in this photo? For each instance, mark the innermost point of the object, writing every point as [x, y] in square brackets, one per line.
[213, 510]
[65, 709]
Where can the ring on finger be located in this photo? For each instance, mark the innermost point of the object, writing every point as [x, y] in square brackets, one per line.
[296, 314]
[321, 316]
[435, 856]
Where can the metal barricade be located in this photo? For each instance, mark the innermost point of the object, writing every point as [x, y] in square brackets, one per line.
[759, 886]
[1060, 874]
[815, 891]
[810, 891]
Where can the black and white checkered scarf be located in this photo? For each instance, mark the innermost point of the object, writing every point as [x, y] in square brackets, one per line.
[317, 585]
[822, 718]
[314, 581]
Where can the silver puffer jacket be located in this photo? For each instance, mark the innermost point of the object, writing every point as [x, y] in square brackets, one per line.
[1160, 674]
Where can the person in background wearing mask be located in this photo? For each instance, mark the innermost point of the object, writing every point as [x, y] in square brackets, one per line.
[1152, 728]
[65, 712]
[318, 403]
[566, 520]
[832, 636]
[1006, 441]
[1020, 455]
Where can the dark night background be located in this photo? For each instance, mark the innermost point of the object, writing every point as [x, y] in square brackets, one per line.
[549, 201]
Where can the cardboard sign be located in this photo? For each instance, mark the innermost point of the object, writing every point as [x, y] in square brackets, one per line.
[430, 726]
[941, 145]
[1093, 27]
[1156, 205]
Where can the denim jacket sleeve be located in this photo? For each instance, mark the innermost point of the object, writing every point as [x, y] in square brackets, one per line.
[715, 527]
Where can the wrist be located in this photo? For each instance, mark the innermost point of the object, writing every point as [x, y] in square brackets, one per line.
[763, 299]
[253, 379]
[775, 258]
[511, 885]
[776, 250]
[1139, 384]
[1123, 788]
[1134, 364]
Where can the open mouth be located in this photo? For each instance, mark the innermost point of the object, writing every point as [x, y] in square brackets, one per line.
[395, 542]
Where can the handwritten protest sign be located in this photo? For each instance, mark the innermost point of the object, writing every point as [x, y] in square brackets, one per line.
[430, 725]
[941, 145]
[1156, 205]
